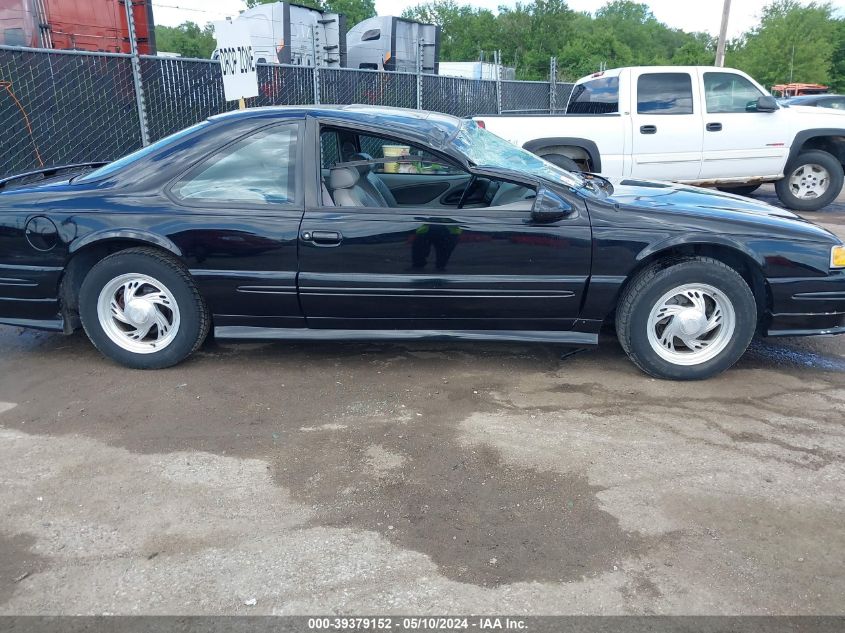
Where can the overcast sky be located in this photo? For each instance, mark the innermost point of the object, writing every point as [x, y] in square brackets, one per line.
[683, 14]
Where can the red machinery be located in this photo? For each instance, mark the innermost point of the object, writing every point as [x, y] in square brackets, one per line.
[88, 25]
[796, 90]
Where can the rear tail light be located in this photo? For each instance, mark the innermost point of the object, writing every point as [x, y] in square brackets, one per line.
[481, 124]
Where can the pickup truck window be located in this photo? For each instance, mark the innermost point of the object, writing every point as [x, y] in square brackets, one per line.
[727, 92]
[598, 96]
[664, 93]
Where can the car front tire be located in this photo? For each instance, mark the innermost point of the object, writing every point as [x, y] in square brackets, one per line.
[141, 308]
[812, 181]
[688, 319]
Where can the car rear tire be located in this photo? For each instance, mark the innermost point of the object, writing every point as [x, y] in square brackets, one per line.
[686, 319]
[812, 181]
[141, 308]
[742, 190]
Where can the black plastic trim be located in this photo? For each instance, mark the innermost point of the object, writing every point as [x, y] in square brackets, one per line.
[266, 333]
[805, 135]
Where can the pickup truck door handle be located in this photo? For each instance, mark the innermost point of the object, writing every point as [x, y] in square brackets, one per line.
[322, 238]
[714, 127]
[648, 129]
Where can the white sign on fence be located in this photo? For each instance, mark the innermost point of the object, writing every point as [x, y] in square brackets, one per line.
[237, 61]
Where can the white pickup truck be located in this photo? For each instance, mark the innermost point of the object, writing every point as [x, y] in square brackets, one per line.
[700, 125]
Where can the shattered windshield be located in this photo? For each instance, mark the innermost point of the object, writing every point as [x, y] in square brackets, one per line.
[485, 149]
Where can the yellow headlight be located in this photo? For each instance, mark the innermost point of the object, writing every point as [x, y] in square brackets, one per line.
[837, 256]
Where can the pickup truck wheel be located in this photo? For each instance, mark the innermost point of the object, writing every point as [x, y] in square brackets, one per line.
[741, 190]
[141, 308]
[562, 161]
[689, 320]
[812, 181]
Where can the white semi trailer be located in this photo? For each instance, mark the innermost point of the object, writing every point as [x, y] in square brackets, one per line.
[288, 33]
[387, 42]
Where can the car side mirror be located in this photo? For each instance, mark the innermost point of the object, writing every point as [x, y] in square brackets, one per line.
[766, 104]
[549, 207]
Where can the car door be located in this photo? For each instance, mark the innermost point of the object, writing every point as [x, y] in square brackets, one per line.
[666, 126]
[246, 204]
[740, 142]
[423, 267]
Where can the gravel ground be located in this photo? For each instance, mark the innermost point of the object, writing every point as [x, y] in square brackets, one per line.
[424, 478]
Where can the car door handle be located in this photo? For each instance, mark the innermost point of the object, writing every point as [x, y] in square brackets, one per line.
[324, 238]
[648, 129]
[714, 127]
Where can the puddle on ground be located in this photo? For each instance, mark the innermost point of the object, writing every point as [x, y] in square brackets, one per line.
[480, 519]
[783, 356]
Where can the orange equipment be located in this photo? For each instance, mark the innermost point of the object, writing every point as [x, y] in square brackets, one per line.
[796, 89]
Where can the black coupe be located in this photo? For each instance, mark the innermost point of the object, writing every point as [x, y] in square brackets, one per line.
[378, 223]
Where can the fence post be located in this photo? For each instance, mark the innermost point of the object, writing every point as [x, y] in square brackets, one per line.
[316, 67]
[419, 73]
[136, 74]
[553, 85]
[498, 62]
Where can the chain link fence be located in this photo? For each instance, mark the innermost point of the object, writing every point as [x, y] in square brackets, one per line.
[63, 107]
[460, 97]
[346, 86]
[562, 92]
[526, 96]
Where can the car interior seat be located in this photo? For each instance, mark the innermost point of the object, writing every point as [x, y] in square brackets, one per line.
[346, 189]
[371, 182]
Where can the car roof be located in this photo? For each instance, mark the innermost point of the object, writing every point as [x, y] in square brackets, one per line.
[808, 98]
[426, 126]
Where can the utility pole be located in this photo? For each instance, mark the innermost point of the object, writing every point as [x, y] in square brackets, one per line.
[723, 34]
[792, 63]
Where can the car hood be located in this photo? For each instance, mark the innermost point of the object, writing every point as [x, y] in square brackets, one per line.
[683, 205]
[816, 111]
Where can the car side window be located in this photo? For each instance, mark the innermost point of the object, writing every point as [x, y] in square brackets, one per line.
[259, 169]
[416, 160]
[729, 93]
[363, 170]
[664, 93]
[836, 104]
[329, 149]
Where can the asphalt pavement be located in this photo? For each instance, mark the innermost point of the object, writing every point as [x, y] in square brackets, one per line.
[420, 478]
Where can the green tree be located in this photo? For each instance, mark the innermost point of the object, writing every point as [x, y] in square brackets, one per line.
[792, 43]
[804, 43]
[355, 10]
[837, 71]
[188, 39]
[466, 33]
[529, 33]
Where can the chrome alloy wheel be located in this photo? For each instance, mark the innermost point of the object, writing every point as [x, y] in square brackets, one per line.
[809, 182]
[691, 324]
[138, 313]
